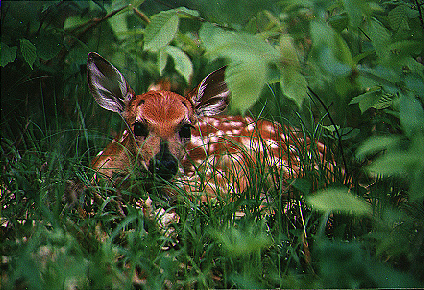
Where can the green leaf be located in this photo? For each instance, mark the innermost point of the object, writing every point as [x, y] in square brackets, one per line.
[415, 83]
[161, 30]
[408, 164]
[294, 86]
[302, 184]
[394, 164]
[339, 200]
[376, 144]
[163, 59]
[236, 46]
[338, 22]
[398, 18]
[8, 54]
[73, 22]
[406, 48]
[29, 51]
[182, 62]
[183, 12]
[411, 114]
[245, 81]
[249, 57]
[330, 50]
[48, 45]
[118, 23]
[354, 10]
[331, 128]
[380, 38]
[367, 100]
[293, 83]
[239, 242]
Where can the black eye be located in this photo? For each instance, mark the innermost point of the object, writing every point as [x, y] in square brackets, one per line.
[185, 131]
[140, 129]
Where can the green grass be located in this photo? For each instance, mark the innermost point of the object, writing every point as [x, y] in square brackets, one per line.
[60, 230]
[53, 240]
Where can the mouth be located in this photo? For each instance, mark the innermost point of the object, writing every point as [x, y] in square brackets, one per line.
[164, 168]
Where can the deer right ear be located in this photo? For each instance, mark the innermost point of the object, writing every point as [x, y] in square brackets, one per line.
[108, 86]
[211, 96]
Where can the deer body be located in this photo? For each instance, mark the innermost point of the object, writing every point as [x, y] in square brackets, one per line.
[168, 134]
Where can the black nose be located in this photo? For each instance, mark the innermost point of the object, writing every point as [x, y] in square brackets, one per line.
[164, 163]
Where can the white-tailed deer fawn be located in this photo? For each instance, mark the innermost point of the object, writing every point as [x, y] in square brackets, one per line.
[168, 134]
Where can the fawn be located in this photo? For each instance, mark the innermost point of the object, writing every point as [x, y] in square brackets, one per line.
[170, 135]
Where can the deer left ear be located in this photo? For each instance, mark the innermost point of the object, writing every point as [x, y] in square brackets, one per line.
[108, 86]
[211, 96]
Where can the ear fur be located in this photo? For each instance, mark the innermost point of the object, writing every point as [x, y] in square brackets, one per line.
[108, 86]
[211, 96]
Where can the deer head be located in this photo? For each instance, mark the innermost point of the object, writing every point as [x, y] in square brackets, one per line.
[159, 123]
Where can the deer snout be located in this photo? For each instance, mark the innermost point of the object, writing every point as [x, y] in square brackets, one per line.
[164, 163]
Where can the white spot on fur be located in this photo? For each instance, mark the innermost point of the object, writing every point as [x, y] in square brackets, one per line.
[271, 144]
[251, 127]
[213, 139]
[197, 141]
[285, 137]
[237, 124]
[270, 129]
[124, 135]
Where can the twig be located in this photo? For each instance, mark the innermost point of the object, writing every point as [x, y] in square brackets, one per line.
[142, 16]
[88, 25]
[95, 21]
[335, 128]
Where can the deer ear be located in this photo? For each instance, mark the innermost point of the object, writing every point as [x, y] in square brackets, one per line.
[108, 86]
[211, 96]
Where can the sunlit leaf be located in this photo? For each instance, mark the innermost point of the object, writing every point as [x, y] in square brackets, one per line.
[294, 86]
[240, 242]
[236, 46]
[367, 100]
[339, 200]
[376, 144]
[182, 62]
[293, 83]
[73, 22]
[118, 23]
[29, 51]
[182, 11]
[245, 81]
[330, 50]
[161, 30]
[163, 59]
[394, 164]
[249, 56]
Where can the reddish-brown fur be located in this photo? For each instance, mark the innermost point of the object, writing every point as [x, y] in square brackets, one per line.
[163, 111]
[169, 135]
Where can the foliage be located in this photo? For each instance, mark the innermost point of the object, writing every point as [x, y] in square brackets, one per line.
[347, 72]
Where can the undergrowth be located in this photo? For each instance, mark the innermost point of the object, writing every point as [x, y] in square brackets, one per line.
[347, 73]
[62, 230]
